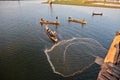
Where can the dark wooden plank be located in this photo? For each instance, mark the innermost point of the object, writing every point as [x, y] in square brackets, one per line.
[108, 76]
[117, 67]
[111, 70]
[101, 77]
[113, 73]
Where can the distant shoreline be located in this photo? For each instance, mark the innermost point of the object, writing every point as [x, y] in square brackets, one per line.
[83, 3]
[90, 3]
[11, 0]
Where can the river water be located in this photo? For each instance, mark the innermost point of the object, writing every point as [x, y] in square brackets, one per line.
[23, 40]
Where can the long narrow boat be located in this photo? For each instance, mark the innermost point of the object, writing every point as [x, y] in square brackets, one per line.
[49, 22]
[97, 13]
[110, 67]
[51, 34]
[77, 21]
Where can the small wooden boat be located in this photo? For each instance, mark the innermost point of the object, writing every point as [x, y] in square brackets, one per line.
[97, 13]
[77, 21]
[51, 34]
[49, 22]
[50, 2]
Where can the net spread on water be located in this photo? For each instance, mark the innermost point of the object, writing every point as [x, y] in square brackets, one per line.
[71, 56]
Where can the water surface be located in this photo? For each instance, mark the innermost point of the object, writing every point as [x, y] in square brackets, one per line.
[23, 40]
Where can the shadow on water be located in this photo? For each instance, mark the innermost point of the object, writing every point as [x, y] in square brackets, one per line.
[83, 25]
[72, 56]
[41, 25]
[51, 9]
[19, 3]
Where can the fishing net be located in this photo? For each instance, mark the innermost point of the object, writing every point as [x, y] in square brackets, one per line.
[69, 57]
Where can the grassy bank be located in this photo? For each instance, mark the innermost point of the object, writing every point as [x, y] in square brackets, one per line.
[88, 3]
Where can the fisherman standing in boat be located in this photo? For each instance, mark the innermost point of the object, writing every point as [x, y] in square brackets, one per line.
[56, 19]
[41, 19]
[54, 34]
[69, 18]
